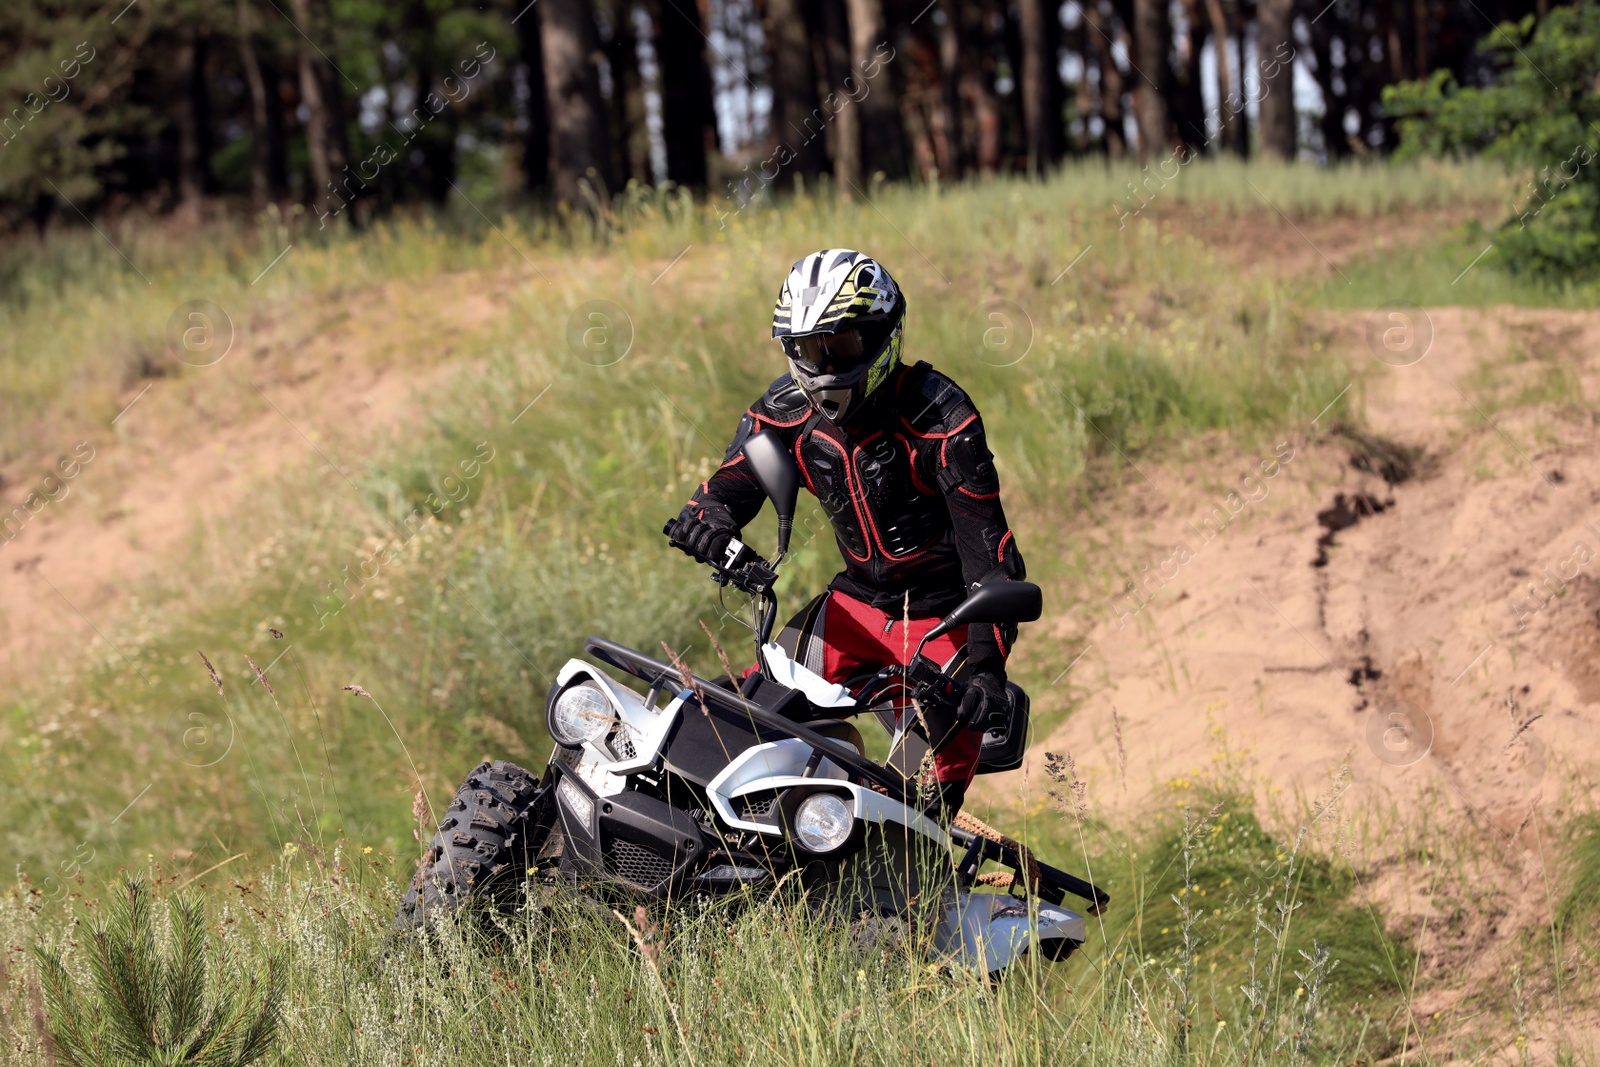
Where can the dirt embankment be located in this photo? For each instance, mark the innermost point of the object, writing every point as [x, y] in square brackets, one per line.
[317, 386]
[1420, 598]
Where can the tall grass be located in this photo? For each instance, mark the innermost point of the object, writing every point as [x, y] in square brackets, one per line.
[764, 978]
[84, 314]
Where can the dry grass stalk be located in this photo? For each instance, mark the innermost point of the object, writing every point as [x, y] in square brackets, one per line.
[685, 675]
[41, 1025]
[648, 937]
[1518, 728]
[261, 676]
[1122, 755]
[969, 822]
[420, 816]
[216, 679]
[1062, 769]
[722, 657]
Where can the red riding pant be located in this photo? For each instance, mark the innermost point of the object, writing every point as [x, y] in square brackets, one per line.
[858, 638]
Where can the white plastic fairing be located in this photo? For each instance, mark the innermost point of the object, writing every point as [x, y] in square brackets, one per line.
[782, 764]
[786, 672]
[643, 728]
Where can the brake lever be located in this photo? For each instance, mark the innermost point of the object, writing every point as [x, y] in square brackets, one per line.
[939, 697]
[745, 570]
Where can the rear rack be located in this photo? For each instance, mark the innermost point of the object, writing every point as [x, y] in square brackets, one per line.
[1053, 885]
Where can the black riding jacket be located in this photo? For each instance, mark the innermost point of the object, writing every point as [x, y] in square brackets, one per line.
[909, 484]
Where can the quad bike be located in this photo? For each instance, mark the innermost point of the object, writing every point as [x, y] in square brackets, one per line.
[696, 788]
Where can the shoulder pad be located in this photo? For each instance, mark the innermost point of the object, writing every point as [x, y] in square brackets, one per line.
[936, 404]
[782, 403]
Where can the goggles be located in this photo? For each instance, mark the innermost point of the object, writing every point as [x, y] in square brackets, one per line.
[829, 353]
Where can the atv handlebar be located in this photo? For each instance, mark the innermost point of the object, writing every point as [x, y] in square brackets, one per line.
[937, 694]
[743, 567]
[652, 670]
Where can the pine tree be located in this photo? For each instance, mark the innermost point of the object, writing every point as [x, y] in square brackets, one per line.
[159, 997]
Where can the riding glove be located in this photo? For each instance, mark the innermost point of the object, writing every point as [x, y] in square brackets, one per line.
[985, 702]
[702, 540]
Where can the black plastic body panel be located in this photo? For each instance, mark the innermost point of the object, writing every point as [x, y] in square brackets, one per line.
[653, 670]
[706, 737]
[583, 846]
[641, 842]
[781, 700]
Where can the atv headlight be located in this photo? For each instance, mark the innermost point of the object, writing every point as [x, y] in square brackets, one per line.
[581, 713]
[823, 822]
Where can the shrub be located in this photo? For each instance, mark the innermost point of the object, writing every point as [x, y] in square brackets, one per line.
[1538, 115]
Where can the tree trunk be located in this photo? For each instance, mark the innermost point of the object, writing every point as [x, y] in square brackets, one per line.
[831, 47]
[796, 125]
[872, 80]
[320, 197]
[433, 131]
[688, 115]
[983, 122]
[626, 115]
[1189, 103]
[187, 117]
[1419, 9]
[1230, 90]
[1335, 141]
[1041, 83]
[282, 94]
[1110, 82]
[1389, 30]
[338, 132]
[536, 138]
[579, 149]
[1375, 72]
[1274, 51]
[952, 165]
[260, 149]
[1006, 31]
[1150, 40]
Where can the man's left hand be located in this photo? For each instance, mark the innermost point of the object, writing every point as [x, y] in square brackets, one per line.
[984, 700]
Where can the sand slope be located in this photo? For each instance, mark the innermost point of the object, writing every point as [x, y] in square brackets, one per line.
[1420, 598]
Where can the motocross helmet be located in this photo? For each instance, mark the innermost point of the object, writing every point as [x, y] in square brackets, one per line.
[839, 318]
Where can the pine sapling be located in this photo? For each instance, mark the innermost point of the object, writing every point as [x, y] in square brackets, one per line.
[166, 999]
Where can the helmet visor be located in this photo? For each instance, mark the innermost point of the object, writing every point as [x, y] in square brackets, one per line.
[830, 353]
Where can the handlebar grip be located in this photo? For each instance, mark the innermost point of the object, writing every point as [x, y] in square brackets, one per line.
[671, 525]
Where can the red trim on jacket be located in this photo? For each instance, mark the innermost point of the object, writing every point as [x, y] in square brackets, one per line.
[855, 501]
[970, 419]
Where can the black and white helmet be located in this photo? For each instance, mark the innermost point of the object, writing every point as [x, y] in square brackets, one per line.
[839, 317]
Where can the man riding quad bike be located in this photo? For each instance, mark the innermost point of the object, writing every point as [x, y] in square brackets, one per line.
[691, 788]
[898, 458]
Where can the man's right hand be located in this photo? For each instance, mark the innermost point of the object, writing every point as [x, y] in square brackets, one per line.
[698, 538]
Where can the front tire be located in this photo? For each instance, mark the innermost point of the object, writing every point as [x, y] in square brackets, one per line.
[485, 844]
